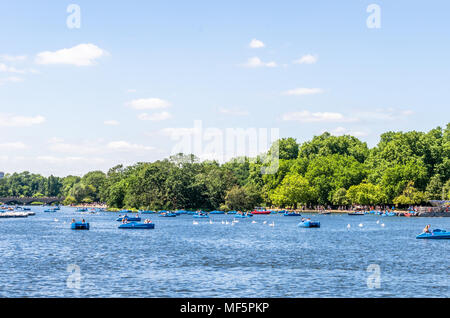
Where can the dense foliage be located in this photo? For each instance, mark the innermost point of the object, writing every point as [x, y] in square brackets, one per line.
[403, 169]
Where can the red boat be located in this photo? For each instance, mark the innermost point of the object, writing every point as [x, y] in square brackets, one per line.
[261, 211]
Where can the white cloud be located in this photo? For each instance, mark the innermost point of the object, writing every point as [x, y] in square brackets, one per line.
[148, 103]
[10, 79]
[340, 131]
[303, 91]
[155, 116]
[95, 147]
[309, 117]
[83, 148]
[256, 44]
[233, 112]
[177, 132]
[12, 58]
[7, 120]
[12, 146]
[384, 114]
[254, 62]
[80, 55]
[307, 59]
[111, 122]
[68, 160]
[10, 69]
[126, 146]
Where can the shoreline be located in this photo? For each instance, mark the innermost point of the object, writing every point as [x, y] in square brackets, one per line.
[400, 213]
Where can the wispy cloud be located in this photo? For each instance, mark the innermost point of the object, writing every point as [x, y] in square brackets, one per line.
[80, 148]
[8, 120]
[384, 114]
[148, 103]
[10, 69]
[69, 160]
[12, 145]
[155, 116]
[307, 59]
[233, 112]
[255, 62]
[256, 44]
[80, 55]
[127, 146]
[94, 147]
[340, 131]
[303, 91]
[13, 58]
[176, 132]
[11, 79]
[111, 122]
[305, 116]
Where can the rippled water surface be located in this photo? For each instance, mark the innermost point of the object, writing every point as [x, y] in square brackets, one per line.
[180, 259]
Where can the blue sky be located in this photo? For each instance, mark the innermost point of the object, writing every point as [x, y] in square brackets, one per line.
[137, 72]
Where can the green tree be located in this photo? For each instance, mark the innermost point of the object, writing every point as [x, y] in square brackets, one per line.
[340, 197]
[294, 190]
[366, 194]
[410, 196]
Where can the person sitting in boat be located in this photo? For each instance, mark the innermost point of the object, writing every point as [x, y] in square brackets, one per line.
[73, 220]
[83, 221]
[427, 229]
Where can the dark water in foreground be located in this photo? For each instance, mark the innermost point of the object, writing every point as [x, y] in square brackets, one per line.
[180, 259]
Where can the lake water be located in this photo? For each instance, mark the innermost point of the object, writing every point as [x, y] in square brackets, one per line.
[180, 259]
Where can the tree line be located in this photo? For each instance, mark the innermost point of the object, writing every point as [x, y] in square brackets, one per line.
[404, 168]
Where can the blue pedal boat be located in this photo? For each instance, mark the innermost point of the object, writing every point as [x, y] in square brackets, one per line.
[147, 212]
[217, 212]
[137, 226]
[201, 216]
[309, 224]
[129, 218]
[79, 226]
[434, 235]
[243, 216]
[355, 213]
[167, 215]
[231, 212]
[292, 214]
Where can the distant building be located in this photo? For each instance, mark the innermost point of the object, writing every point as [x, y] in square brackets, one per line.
[2, 174]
